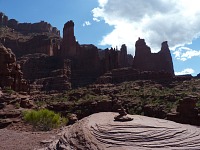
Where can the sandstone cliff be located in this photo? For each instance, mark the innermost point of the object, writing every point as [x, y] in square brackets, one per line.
[28, 27]
[29, 44]
[52, 73]
[10, 72]
[144, 60]
[88, 62]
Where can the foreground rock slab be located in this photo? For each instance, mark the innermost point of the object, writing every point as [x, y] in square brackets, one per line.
[100, 132]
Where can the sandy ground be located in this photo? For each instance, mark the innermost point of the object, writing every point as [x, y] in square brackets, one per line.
[16, 140]
[20, 137]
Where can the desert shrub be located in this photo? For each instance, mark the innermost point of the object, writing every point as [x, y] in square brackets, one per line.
[44, 119]
[8, 90]
[194, 89]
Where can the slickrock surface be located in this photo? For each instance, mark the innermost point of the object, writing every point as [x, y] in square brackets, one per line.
[100, 132]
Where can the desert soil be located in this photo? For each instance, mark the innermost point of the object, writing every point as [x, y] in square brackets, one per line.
[22, 137]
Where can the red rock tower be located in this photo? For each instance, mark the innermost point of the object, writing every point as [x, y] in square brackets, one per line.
[144, 60]
[69, 40]
[123, 62]
[1, 18]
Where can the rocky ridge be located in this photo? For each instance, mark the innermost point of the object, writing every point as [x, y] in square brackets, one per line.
[27, 27]
[87, 61]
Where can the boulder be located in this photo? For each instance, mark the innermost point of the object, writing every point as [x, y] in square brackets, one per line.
[72, 119]
[186, 112]
[26, 103]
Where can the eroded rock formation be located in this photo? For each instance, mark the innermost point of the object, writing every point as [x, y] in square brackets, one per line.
[28, 27]
[87, 61]
[52, 73]
[23, 45]
[10, 72]
[69, 45]
[144, 60]
[3, 19]
[186, 112]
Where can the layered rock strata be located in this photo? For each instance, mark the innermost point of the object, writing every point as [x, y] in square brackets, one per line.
[144, 60]
[11, 75]
[53, 73]
[27, 27]
[88, 62]
[100, 131]
[131, 74]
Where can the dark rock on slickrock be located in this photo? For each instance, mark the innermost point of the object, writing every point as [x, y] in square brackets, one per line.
[10, 72]
[122, 116]
[72, 119]
[146, 61]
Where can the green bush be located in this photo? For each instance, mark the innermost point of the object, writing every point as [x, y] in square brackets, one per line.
[9, 90]
[44, 119]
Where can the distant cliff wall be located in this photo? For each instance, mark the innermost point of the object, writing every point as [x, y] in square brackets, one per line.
[28, 27]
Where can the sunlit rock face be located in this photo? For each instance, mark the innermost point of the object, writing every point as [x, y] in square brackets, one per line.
[38, 27]
[146, 61]
[100, 131]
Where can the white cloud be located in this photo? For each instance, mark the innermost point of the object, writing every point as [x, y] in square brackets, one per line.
[96, 19]
[183, 53]
[175, 21]
[86, 23]
[185, 71]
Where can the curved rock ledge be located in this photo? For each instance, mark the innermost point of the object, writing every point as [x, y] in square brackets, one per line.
[100, 132]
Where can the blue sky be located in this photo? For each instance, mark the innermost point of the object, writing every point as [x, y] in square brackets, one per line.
[107, 23]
